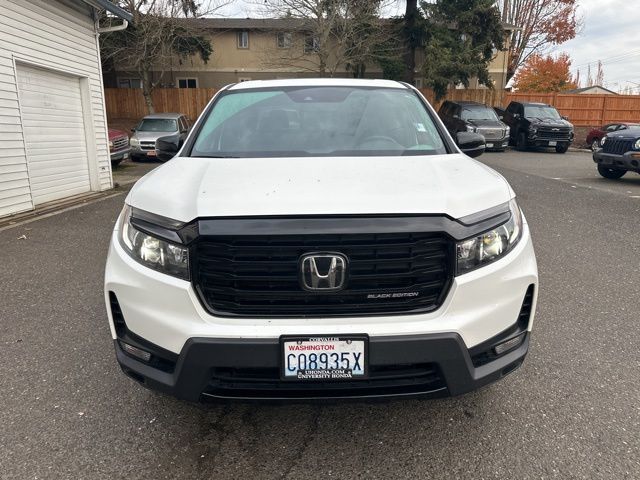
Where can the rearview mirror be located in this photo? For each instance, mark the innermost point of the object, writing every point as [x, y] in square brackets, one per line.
[167, 147]
[471, 144]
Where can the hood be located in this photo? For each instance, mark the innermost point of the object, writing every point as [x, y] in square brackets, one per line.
[632, 133]
[549, 122]
[187, 188]
[113, 133]
[486, 123]
[151, 135]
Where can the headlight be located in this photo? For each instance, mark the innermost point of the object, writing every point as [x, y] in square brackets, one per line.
[604, 139]
[471, 129]
[492, 245]
[636, 145]
[507, 131]
[533, 129]
[152, 252]
[134, 142]
[110, 145]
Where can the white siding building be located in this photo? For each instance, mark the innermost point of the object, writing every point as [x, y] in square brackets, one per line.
[53, 128]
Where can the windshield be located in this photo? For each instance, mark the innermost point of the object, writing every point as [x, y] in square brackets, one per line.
[479, 113]
[318, 121]
[157, 125]
[541, 112]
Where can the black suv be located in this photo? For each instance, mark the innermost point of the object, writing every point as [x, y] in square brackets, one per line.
[537, 125]
[620, 153]
[475, 117]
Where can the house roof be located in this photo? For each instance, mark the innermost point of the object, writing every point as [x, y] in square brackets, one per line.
[250, 23]
[269, 23]
[109, 7]
[586, 89]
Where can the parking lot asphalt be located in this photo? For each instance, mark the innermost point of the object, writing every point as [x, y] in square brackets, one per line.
[572, 410]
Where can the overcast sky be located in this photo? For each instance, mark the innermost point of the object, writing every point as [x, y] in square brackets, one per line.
[611, 33]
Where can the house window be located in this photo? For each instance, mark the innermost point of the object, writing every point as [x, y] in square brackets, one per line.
[311, 44]
[243, 39]
[187, 83]
[283, 39]
[418, 82]
[129, 83]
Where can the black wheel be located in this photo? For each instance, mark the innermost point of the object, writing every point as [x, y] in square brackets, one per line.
[521, 142]
[115, 163]
[595, 145]
[611, 173]
[562, 148]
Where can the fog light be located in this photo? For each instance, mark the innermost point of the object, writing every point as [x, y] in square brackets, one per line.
[135, 351]
[509, 344]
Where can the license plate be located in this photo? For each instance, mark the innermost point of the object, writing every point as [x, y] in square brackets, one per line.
[125, 156]
[324, 358]
[151, 153]
[553, 144]
[489, 145]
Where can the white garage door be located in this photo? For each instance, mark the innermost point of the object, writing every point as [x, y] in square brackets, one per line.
[53, 125]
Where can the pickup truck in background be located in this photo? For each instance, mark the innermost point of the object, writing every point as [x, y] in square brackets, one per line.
[537, 125]
[119, 147]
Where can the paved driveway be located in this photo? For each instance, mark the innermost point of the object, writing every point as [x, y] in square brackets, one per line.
[572, 411]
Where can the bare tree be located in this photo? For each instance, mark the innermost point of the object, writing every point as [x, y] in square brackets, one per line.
[326, 35]
[540, 24]
[160, 32]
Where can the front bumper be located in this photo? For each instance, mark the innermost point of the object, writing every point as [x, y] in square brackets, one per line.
[433, 365]
[627, 161]
[492, 145]
[538, 142]
[120, 154]
[163, 314]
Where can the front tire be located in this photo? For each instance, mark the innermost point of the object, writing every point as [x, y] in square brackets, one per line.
[562, 148]
[595, 145]
[115, 163]
[521, 142]
[611, 173]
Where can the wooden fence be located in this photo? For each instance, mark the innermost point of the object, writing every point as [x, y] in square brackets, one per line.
[582, 110]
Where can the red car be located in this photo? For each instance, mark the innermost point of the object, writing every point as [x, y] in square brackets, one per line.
[596, 135]
[119, 147]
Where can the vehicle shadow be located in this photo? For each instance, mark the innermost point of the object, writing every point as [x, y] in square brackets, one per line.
[323, 440]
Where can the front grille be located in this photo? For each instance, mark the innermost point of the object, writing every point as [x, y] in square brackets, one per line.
[492, 133]
[617, 146]
[383, 380]
[146, 145]
[259, 275]
[554, 133]
[120, 143]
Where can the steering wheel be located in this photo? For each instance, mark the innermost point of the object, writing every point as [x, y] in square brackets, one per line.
[382, 139]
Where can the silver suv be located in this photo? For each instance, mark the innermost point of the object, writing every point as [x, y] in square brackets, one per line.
[152, 127]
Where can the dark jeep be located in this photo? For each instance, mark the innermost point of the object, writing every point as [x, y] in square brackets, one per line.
[620, 153]
[537, 125]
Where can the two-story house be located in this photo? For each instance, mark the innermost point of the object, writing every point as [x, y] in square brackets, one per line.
[255, 49]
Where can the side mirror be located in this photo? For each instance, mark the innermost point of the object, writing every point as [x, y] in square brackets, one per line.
[456, 116]
[167, 147]
[501, 117]
[516, 115]
[564, 117]
[471, 144]
[133, 130]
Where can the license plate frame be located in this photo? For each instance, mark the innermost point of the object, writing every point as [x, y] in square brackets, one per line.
[324, 339]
